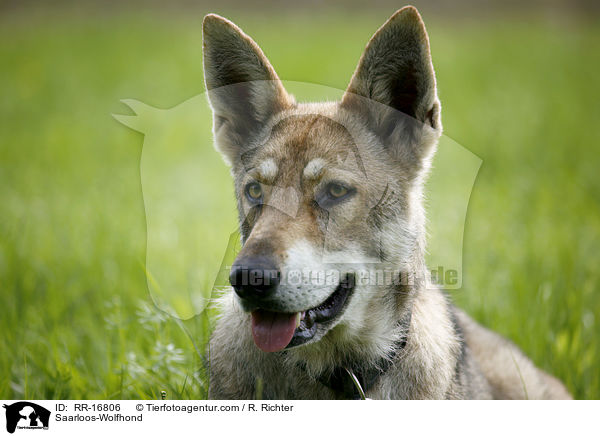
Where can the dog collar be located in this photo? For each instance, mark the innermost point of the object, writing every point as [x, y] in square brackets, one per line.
[351, 382]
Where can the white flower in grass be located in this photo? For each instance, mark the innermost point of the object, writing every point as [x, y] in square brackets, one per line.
[149, 316]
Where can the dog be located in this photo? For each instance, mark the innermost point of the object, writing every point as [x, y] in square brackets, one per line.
[328, 194]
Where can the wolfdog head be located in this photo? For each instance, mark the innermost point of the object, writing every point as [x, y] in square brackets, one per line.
[328, 194]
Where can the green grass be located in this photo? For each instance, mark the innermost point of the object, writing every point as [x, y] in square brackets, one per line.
[76, 317]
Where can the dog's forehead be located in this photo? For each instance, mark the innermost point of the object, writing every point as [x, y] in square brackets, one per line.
[304, 144]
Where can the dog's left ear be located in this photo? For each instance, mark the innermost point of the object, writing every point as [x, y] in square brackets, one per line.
[394, 83]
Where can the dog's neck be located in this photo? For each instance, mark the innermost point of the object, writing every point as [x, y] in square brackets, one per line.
[351, 380]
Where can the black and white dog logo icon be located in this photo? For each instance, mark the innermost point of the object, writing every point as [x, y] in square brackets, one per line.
[26, 415]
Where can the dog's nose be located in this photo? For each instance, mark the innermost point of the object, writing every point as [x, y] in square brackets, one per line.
[254, 278]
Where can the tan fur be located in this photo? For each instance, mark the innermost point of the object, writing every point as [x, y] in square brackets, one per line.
[378, 140]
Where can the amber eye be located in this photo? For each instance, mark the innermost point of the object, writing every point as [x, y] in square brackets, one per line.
[336, 190]
[334, 193]
[254, 191]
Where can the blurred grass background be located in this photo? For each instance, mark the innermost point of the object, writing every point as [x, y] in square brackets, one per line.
[520, 90]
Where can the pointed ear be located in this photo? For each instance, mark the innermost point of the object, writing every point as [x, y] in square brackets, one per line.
[394, 83]
[243, 88]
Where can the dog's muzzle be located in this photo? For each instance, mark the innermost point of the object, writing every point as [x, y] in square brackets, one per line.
[255, 280]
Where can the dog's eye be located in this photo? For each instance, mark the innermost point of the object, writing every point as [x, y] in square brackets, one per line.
[335, 190]
[254, 192]
[334, 193]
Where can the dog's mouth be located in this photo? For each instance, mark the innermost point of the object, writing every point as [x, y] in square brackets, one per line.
[274, 331]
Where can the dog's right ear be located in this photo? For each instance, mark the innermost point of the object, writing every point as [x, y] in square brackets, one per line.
[243, 88]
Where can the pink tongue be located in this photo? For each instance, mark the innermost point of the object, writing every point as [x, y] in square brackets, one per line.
[272, 331]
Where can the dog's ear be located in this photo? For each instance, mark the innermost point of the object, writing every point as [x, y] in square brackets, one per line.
[243, 88]
[394, 85]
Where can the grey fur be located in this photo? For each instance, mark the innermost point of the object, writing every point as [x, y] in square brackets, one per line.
[447, 355]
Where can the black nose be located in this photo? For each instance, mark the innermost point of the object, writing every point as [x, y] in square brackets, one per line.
[254, 278]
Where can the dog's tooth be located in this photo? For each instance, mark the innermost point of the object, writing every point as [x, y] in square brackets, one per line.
[302, 315]
[298, 319]
[309, 320]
